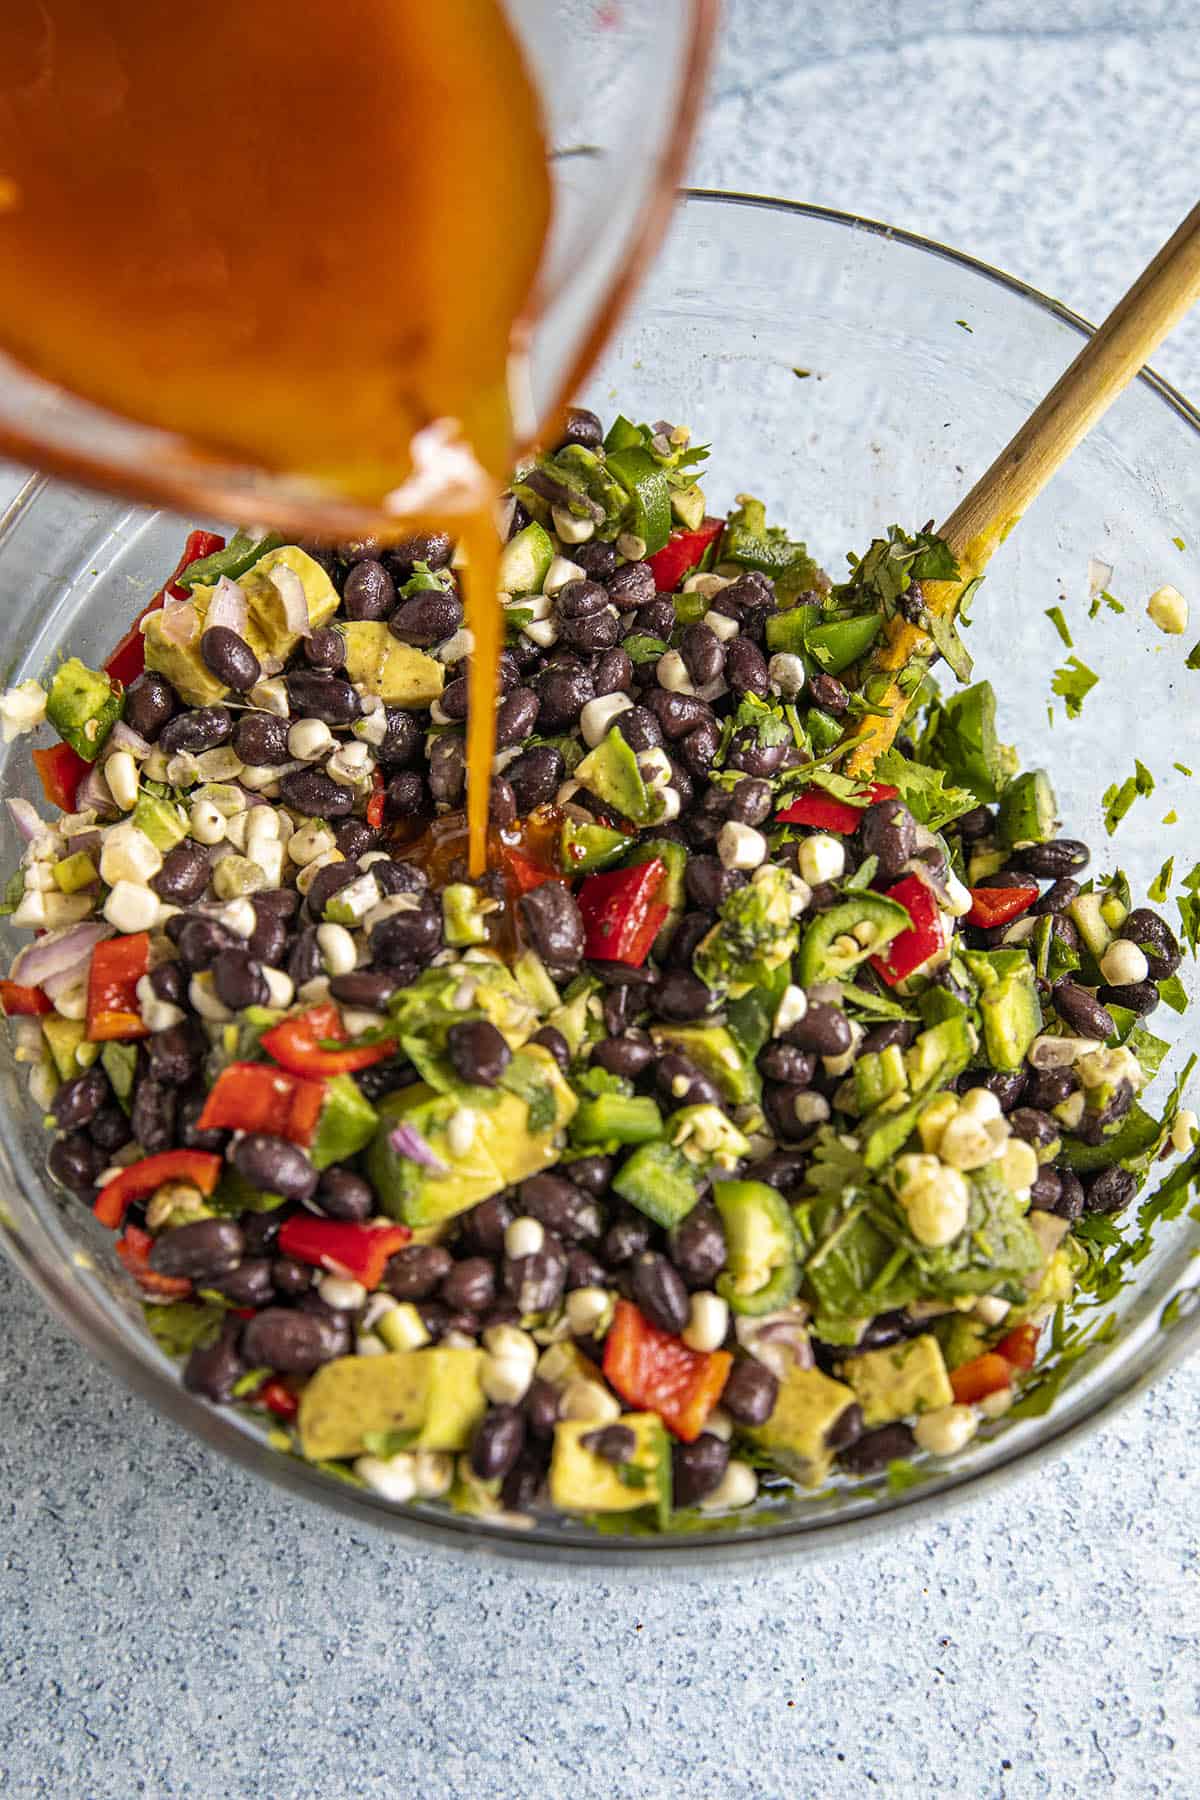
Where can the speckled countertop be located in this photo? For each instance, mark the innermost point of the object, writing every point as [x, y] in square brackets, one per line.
[169, 1627]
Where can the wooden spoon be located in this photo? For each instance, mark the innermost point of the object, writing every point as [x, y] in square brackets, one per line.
[1108, 362]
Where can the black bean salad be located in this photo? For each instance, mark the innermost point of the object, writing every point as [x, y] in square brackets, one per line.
[739, 1131]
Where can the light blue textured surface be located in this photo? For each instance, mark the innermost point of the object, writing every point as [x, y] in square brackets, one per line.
[168, 1627]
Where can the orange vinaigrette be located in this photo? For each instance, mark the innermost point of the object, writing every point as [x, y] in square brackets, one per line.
[300, 234]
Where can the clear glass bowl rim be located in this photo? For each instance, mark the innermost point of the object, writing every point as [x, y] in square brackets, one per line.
[450, 1531]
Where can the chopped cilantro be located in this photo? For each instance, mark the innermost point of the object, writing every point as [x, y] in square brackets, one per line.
[1193, 661]
[1179, 543]
[1118, 800]
[925, 791]
[1073, 683]
[802, 374]
[965, 326]
[1111, 601]
[1171, 818]
[1182, 767]
[1189, 909]
[1055, 616]
[643, 649]
[1172, 993]
[1161, 885]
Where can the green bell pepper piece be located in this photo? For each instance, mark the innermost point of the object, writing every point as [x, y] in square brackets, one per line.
[650, 492]
[819, 961]
[240, 553]
[346, 1125]
[762, 1273]
[835, 646]
[582, 849]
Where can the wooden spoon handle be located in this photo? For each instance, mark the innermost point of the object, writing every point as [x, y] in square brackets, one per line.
[1108, 362]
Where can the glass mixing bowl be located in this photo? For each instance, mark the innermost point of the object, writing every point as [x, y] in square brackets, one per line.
[852, 376]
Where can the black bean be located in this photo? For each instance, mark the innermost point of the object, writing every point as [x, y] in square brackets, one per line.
[1092, 1126]
[408, 937]
[888, 831]
[516, 718]
[175, 1056]
[1037, 1128]
[628, 1055]
[697, 1246]
[554, 925]
[751, 802]
[434, 548]
[708, 883]
[268, 941]
[680, 997]
[659, 1290]
[633, 586]
[169, 983]
[213, 1370]
[1008, 1088]
[260, 1230]
[250, 1284]
[746, 668]
[1061, 856]
[417, 1271]
[551, 1038]
[183, 876]
[261, 740]
[317, 795]
[597, 559]
[541, 1407]
[580, 600]
[403, 741]
[783, 1169]
[613, 1443]
[779, 1103]
[405, 796]
[1083, 1013]
[498, 1441]
[152, 1116]
[193, 1252]
[703, 653]
[201, 728]
[341, 1194]
[1110, 1191]
[563, 690]
[535, 1283]
[290, 1278]
[1048, 1088]
[896, 1032]
[754, 758]
[846, 1429]
[582, 427]
[369, 592]
[325, 649]
[275, 1166]
[1070, 1197]
[613, 673]
[200, 941]
[187, 1113]
[583, 1270]
[787, 1063]
[1141, 997]
[1045, 1190]
[1056, 899]
[325, 884]
[681, 1083]
[79, 1099]
[304, 960]
[594, 631]
[312, 695]
[697, 750]
[1155, 939]
[368, 989]
[824, 1029]
[678, 714]
[353, 839]
[656, 619]
[76, 1161]
[478, 1052]
[535, 777]
[229, 657]
[561, 1207]
[827, 692]
[483, 1228]
[640, 729]
[750, 598]
[292, 1342]
[470, 1285]
[874, 1450]
[339, 1322]
[149, 702]
[697, 1469]
[239, 980]
[750, 1393]
[691, 928]
[624, 1240]
[427, 618]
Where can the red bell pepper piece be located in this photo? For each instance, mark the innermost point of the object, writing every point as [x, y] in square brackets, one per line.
[999, 906]
[258, 1097]
[680, 554]
[925, 938]
[650, 1369]
[622, 915]
[524, 873]
[134, 1251]
[359, 1251]
[983, 1375]
[118, 964]
[295, 1044]
[129, 658]
[20, 1002]
[1020, 1346]
[277, 1398]
[140, 1179]
[826, 813]
[61, 770]
[375, 803]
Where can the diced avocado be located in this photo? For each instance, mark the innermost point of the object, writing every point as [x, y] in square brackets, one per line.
[346, 1125]
[755, 935]
[879, 1075]
[712, 1049]
[120, 1065]
[807, 1407]
[582, 1482]
[830, 949]
[182, 664]
[660, 1181]
[463, 919]
[687, 505]
[1086, 913]
[503, 1149]
[1028, 811]
[378, 663]
[164, 824]
[961, 1338]
[611, 772]
[984, 860]
[534, 980]
[1054, 1284]
[75, 872]
[582, 849]
[435, 1394]
[903, 1379]
[83, 705]
[936, 1056]
[761, 1272]
[525, 559]
[571, 1016]
[1008, 1003]
[65, 1038]
[616, 1119]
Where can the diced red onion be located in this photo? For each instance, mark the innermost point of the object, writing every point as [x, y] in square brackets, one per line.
[179, 622]
[25, 818]
[95, 792]
[407, 1141]
[124, 737]
[227, 607]
[84, 843]
[290, 588]
[65, 952]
